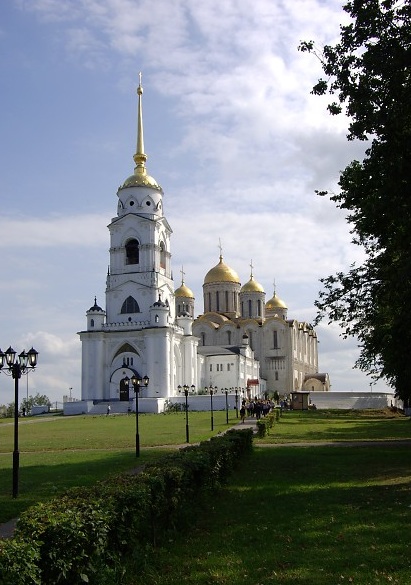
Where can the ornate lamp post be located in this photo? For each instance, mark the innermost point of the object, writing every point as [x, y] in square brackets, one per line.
[186, 389]
[236, 401]
[25, 364]
[138, 383]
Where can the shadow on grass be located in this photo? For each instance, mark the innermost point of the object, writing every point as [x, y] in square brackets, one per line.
[300, 516]
[44, 475]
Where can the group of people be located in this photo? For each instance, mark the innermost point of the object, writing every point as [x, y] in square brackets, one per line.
[256, 407]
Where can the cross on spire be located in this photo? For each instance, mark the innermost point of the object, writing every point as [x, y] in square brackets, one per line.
[182, 274]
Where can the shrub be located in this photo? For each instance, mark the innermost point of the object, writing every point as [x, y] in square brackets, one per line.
[88, 534]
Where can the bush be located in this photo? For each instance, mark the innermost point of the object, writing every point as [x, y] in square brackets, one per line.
[88, 534]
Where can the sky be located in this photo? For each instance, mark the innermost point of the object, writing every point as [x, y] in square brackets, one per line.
[232, 133]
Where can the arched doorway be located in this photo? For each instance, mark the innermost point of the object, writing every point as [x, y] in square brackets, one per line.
[124, 389]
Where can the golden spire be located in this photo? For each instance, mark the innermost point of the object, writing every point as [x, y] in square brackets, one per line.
[140, 178]
[140, 157]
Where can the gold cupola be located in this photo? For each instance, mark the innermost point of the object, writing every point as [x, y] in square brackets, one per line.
[140, 178]
[275, 303]
[252, 285]
[221, 273]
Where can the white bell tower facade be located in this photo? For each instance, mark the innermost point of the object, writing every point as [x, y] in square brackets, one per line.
[138, 333]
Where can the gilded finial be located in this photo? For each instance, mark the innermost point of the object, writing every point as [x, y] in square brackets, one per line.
[140, 157]
[251, 266]
[182, 275]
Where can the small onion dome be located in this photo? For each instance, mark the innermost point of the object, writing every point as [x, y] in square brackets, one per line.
[252, 286]
[95, 307]
[160, 303]
[184, 291]
[275, 303]
[221, 273]
[141, 180]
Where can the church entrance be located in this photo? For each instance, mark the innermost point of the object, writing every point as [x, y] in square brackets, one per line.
[124, 389]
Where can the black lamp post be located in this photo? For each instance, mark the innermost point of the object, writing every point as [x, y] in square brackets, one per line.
[138, 383]
[236, 401]
[225, 390]
[212, 390]
[185, 389]
[26, 363]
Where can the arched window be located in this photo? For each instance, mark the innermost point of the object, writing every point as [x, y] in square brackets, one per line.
[229, 337]
[92, 323]
[162, 255]
[130, 305]
[250, 312]
[259, 308]
[132, 252]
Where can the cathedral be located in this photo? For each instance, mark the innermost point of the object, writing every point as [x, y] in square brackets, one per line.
[148, 328]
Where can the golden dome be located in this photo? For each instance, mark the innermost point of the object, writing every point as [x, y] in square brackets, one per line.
[141, 180]
[275, 303]
[221, 273]
[184, 291]
[252, 286]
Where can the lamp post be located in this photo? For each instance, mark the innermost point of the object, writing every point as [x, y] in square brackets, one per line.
[138, 383]
[236, 402]
[26, 363]
[225, 390]
[212, 391]
[185, 389]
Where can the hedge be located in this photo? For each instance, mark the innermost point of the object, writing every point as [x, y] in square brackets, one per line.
[87, 534]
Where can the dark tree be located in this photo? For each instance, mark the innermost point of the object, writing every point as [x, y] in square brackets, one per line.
[368, 74]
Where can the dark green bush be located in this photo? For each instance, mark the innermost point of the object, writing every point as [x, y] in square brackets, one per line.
[87, 534]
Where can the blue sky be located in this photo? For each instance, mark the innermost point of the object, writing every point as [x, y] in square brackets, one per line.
[233, 136]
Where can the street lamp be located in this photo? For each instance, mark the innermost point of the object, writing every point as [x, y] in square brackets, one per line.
[225, 390]
[185, 389]
[138, 383]
[26, 363]
[236, 402]
[212, 391]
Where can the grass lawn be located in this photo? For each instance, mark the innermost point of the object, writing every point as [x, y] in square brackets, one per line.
[339, 425]
[299, 516]
[61, 452]
[295, 515]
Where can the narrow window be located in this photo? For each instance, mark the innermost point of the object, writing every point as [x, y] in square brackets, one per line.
[250, 313]
[132, 252]
[226, 301]
[211, 367]
[203, 339]
[229, 337]
[217, 298]
[162, 255]
[92, 323]
[275, 339]
[259, 308]
[276, 375]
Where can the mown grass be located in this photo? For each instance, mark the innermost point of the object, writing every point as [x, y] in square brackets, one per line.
[57, 453]
[294, 515]
[339, 425]
[298, 516]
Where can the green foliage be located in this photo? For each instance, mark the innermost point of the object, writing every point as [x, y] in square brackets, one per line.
[37, 400]
[89, 533]
[368, 76]
[19, 562]
[265, 424]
